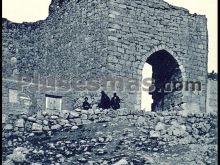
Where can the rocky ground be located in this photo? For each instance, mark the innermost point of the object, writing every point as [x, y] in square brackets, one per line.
[118, 142]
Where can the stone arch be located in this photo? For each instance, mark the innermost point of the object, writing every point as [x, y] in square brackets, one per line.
[166, 48]
[172, 56]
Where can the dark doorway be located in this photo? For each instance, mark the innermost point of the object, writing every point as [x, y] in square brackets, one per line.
[165, 73]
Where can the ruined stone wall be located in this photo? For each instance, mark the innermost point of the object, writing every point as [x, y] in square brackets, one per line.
[212, 96]
[69, 45]
[152, 132]
[20, 42]
[44, 122]
[141, 28]
[88, 40]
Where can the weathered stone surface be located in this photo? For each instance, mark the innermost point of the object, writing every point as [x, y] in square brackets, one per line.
[54, 117]
[78, 110]
[45, 122]
[121, 162]
[162, 135]
[4, 118]
[37, 127]
[84, 117]
[91, 111]
[86, 122]
[101, 152]
[78, 121]
[31, 118]
[97, 111]
[160, 126]
[148, 159]
[20, 123]
[18, 155]
[8, 127]
[141, 120]
[73, 114]
[56, 127]
[64, 114]
[100, 139]
[46, 128]
[8, 162]
[63, 121]
[74, 127]
[154, 134]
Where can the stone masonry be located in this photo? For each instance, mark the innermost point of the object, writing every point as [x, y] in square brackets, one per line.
[101, 136]
[95, 40]
[212, 96]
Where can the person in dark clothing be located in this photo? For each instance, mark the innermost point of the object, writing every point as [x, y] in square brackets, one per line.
[105, 102]
[213, 75]
[115, 102]
[86, 105]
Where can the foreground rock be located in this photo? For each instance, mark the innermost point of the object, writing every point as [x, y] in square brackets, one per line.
[126, 138]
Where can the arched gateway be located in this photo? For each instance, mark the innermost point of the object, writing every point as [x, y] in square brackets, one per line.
[166, 81]
[88, 40]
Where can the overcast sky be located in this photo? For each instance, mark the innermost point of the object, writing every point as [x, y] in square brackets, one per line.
[34, 10]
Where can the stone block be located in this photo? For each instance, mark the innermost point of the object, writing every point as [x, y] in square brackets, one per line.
[8, 127]
[86, 122]
[154, 134]
[64, 114]
[56, 127]
[160, 126]
[78, 121]
[84, 117]
[37, 127]
[73, 114]
[4, 118]
[20, 123]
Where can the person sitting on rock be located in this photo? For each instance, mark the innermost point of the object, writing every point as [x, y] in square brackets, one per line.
[86, 105]
[105, 101]
[115, 102]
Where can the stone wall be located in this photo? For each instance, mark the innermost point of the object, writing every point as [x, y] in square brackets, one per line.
[59, 121]
[212, 96]
[159, 132]
[140, 28]
[69, 45]
[92, 40]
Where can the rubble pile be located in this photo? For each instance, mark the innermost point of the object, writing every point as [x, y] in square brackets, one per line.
[110, 137]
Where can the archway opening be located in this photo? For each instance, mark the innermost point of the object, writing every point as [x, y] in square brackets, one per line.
[165, 88]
